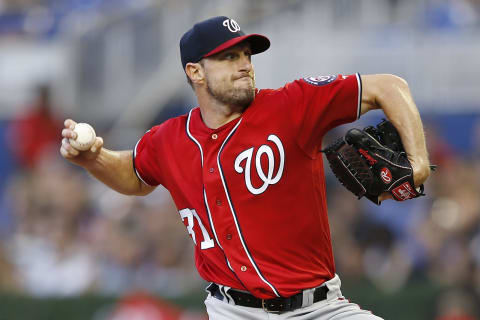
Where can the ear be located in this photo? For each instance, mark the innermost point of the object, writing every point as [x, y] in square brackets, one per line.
[195, 72]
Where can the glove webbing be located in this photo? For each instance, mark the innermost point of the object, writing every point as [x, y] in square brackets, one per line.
[347, 156]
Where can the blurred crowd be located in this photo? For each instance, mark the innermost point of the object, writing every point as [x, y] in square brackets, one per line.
[63, 234]
[44, 18]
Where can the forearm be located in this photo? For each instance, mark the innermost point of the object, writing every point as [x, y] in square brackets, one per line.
[115, 169]
[393, 96]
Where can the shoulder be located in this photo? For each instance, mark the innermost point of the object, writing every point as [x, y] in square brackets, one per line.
[291, 92]
[265, 94]
[167, 130]
[171, 124]
[297, 86]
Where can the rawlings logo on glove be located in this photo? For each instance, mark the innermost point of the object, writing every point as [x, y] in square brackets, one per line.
[372, 161]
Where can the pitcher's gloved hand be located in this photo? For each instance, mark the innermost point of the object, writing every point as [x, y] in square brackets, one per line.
[372, 163]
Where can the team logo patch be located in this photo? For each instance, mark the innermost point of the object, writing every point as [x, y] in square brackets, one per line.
[320, 80]
[268, 177]
[386, 175]
[403, 192]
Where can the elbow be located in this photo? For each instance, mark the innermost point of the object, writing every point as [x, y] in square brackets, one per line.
[139, 189]
[140, 193]
[382, 91]
[391, 88]
[143, 189]
[401, 84]
[395, 83]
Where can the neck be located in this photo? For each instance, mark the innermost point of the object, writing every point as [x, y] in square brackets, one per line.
[215, 113]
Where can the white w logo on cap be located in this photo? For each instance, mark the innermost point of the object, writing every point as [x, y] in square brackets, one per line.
[232, 25]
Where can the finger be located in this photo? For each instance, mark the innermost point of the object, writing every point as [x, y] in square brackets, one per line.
[64, 153]
[97, 145]
[69, 123]
[67, 133]
[68, 147]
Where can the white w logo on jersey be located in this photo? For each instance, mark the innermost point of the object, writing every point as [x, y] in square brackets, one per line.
[268, 178]
[232, 25]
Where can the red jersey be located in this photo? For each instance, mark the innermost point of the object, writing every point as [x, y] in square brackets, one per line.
[252, 192]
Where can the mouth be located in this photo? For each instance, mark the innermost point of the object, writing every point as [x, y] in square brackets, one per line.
[244, 75]
[245, 79]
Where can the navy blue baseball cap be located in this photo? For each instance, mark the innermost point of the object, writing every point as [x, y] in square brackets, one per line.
[214, 35]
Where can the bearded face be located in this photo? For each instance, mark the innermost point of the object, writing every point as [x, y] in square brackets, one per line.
[238, 91]
[229, 76]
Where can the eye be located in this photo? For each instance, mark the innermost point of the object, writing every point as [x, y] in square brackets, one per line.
[230, 56]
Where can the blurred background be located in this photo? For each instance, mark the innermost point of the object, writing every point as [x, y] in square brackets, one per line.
[72, 249]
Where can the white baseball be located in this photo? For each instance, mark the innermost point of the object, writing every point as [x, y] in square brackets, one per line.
[85, 137]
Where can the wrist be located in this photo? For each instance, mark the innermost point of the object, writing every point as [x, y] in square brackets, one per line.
[421, 169]
[94, 160]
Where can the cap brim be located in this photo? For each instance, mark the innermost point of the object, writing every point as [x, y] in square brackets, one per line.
[257, 42]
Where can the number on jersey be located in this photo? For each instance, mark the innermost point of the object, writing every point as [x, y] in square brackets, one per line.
[192, 216]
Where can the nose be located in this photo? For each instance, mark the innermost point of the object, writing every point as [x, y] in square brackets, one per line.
[245, 63]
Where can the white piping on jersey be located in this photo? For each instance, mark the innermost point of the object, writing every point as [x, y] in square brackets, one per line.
[204, 192]
[359, 106]
[205, 200]
[191, 136]
[234, 215]
[211, 221]
[134, 167]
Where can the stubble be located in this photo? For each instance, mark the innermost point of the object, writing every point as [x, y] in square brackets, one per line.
[234, 97]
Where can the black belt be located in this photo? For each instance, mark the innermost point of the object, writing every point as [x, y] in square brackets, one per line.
[245, 299]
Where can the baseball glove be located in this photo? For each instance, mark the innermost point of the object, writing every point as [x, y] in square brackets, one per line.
[372, 161]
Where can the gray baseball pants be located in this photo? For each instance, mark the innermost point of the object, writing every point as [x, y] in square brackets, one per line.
[335, 307]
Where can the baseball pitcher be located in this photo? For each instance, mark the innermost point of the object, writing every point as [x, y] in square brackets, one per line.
[245, 171]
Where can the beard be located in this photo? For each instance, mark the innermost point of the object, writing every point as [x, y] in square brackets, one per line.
[235, 97]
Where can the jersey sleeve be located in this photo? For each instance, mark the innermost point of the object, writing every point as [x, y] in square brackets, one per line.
[145, 158]
[318, 104]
